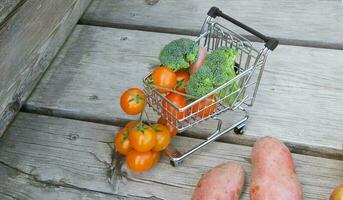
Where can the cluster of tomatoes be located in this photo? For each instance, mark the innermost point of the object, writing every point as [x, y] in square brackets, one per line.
[166, 81]
[173, 84]
[139, 142]
[142, 143]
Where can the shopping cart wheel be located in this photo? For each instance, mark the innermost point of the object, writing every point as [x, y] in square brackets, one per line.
[239, 130]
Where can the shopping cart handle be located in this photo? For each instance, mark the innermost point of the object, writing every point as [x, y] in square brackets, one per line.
[271, 43]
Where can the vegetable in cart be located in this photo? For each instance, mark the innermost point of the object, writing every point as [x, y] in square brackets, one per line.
[179, 54]
[225, 72]
[217, 70]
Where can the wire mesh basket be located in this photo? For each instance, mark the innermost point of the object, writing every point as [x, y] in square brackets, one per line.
[239, 92]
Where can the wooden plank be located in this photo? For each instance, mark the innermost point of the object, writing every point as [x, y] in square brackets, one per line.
[72, 153]
[7, 7]
[299, 99]
[307, 23]
[29, 40]
[19, 185]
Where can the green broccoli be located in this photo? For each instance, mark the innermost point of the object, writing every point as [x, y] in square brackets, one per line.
[179, 54]
[217, 70]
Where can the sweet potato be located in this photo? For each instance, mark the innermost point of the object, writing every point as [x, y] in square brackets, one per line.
[273, 172]
[225, 181]
[201, 59]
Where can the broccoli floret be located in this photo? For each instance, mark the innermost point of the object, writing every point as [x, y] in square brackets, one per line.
[179, 54]
[201, 82]
[217, 69]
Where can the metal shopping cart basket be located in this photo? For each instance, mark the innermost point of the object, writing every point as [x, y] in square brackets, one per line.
[249, 66]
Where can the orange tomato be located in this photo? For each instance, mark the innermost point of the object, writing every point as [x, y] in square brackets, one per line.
[139, 161]
[121, 141]
[179, 101]
[337, 194]
[162, 137]
[131, 124]
[132, 101]
[164, 77]
[142, 138]
[172, 130]
[182, 77]
[156, 157]
[202, 105]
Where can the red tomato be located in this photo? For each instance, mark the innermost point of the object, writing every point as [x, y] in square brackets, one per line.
[121, 141]
[164, 77]
[172, 130]
[142, 138]
[179, 101]
[182, 77]
[139, 161]
[162, 137]
[203, 104]
[132, 101]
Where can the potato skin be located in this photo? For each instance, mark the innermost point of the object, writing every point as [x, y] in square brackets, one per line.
[273, 172]
[201, 59]
[225, 181]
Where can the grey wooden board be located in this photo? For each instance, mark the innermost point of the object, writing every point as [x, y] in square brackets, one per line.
[6, 8]
[16, 184]
[309, 23]
[75, 154]
[299, 100]
[29, 40]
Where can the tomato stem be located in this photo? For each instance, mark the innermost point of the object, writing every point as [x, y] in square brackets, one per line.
[125, 135]
[140, 119]
[147, 117]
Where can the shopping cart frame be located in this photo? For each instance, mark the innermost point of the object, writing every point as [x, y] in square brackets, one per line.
[213, 35]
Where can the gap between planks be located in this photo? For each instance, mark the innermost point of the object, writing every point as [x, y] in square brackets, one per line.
[9, 10]
[39, 42]
[29, 187]
[282, 41]
[41, 148]
[297, 148]
[303, 23]
[62, 91]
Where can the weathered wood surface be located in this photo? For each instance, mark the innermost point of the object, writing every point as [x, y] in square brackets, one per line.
[307, 23]
[299, 100]
[74, 154]
[29, 40]
[7, 7]
[16, 184]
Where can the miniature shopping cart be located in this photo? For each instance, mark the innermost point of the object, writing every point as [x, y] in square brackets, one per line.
[249, 66]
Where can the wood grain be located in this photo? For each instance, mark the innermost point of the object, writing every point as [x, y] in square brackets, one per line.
[7, 7]
[16, 184]
[29, 40]
[307, 23]
[299, 101]
[71, 153]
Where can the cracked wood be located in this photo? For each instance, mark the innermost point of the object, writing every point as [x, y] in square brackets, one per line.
[16, 184]
[39, 150]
